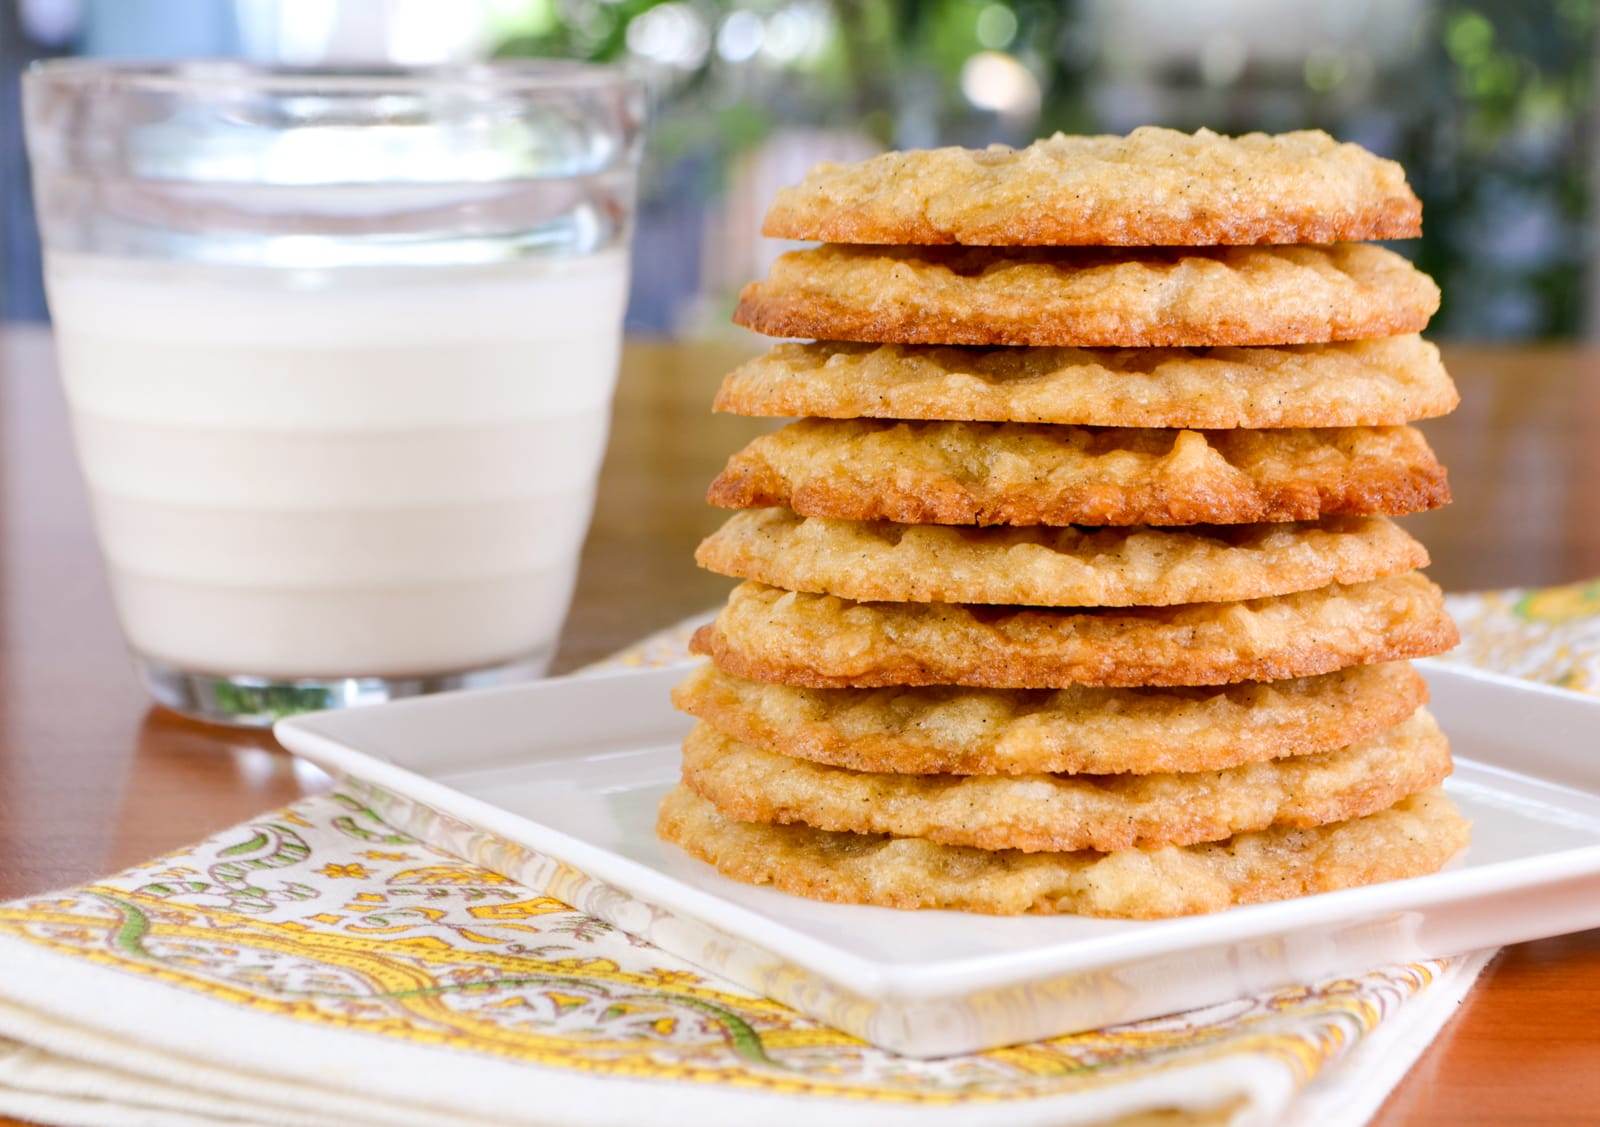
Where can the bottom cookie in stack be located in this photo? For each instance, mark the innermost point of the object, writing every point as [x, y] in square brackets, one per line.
[1415, 836]
[1137, 762]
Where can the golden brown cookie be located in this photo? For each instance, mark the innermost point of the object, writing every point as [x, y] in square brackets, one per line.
[965, 731]
[1416, 836]
[1090, 296]
[1055, 567]
[1154, 187]
[1062, 813]
[1381, 382]
[824, 642]
[1019, 473]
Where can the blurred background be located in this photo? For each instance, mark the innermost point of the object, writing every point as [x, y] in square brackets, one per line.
[1488, 104]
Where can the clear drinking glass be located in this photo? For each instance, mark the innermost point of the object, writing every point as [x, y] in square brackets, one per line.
[339, 348]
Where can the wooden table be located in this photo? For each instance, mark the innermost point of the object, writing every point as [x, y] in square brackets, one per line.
[92, 779]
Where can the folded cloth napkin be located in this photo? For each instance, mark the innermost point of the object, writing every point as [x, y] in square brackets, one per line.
[318, 967]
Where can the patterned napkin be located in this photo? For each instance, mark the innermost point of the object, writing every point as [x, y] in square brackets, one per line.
[317, 967]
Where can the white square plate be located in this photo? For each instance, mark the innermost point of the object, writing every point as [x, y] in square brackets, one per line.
[556, 783]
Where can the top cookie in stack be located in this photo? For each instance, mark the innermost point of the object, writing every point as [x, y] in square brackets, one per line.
[1075, 589]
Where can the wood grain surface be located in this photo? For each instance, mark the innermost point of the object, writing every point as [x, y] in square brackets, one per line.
[92, 779]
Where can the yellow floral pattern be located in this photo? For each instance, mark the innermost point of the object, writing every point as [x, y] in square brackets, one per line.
[436, 951]
[1546, 634]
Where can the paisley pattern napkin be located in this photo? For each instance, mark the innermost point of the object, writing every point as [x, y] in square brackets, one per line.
[317, 966]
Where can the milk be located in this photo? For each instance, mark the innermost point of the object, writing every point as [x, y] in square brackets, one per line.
[362, 471]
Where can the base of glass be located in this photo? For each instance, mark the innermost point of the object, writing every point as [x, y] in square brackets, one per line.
[243, 701]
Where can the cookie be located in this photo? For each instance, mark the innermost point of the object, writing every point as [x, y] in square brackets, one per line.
[1051, 567]
[1154, 187]
[1416, 836]
[1021, 473]
[1382, 382]
[824, 642]
[966, 731]
[1065, 813]
[1090, 296]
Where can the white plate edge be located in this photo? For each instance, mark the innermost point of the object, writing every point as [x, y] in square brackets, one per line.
[930, 980]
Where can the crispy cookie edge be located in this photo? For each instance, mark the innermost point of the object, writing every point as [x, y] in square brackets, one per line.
[793, 216]
[1417, 637]
[737, 852]
[821, 742]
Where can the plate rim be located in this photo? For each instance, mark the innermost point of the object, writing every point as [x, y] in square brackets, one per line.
[932, 979]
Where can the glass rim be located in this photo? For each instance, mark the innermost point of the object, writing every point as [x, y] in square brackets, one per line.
[206, 76]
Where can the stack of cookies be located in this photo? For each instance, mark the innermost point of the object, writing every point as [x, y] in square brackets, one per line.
[1074, 589]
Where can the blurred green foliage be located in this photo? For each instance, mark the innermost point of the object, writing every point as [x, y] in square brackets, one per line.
[1502, 156]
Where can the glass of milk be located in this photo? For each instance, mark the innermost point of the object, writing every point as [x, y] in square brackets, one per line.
[339, 349]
